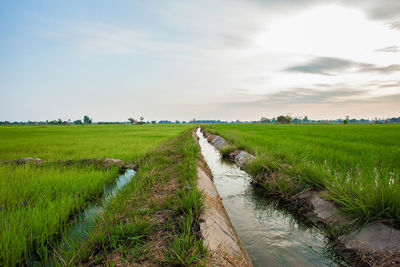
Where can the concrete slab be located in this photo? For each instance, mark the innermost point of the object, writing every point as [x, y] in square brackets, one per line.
[376, 236]
[218, 141]
[243, 158]
[325, 211]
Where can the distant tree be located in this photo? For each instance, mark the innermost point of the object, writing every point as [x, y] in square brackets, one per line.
[296, 120]
[59, 121]
[281, 119]
[87, 120]
[284, 119]
[177, 122]
[346, 120]
[394, 119]
[131, 120]
[265, 120]
[153, 122]
[77, 122]
[141, 120]
[305, 119]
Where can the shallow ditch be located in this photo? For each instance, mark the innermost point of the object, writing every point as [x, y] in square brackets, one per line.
[270, 234]
[78, 228]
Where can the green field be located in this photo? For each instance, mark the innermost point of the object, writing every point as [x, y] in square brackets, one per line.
[154, 220]
[359, 165]
[37, 201]
[126, 142]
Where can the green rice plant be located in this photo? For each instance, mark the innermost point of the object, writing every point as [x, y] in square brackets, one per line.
[52, 143]
[36, 203]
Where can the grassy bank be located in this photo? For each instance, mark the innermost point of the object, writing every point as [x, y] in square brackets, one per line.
[154, 220]
[359, 165]
[126, 142]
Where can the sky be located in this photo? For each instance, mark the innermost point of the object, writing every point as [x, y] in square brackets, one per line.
[186, 60]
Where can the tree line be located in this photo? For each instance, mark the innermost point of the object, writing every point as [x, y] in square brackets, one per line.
[282, 119]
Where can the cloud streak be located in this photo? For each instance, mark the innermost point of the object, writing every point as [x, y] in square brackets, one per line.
[389, 49]
[333, 66]
[298, 96]
[322, 65]
[321, 93]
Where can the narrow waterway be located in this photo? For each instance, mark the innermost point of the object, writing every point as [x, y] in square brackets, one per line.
[79, 227]
[271, 236]
[82, 222]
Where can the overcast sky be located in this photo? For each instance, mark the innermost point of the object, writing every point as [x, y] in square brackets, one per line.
[199, 59]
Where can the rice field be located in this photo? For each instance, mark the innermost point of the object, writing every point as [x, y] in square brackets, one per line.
[37, 201]
[358, 165]
[125, 142]
[155, 218]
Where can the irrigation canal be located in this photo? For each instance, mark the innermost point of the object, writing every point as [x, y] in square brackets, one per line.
[271, 235]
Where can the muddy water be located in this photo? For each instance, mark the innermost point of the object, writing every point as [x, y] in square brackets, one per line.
[271, 236]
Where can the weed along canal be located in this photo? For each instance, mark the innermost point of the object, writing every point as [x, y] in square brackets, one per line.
[271, 236]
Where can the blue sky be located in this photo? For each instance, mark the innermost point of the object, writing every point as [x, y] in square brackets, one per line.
[199, 59]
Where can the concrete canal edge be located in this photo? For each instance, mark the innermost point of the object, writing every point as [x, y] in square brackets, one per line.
[376, 244]
[224, 245]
